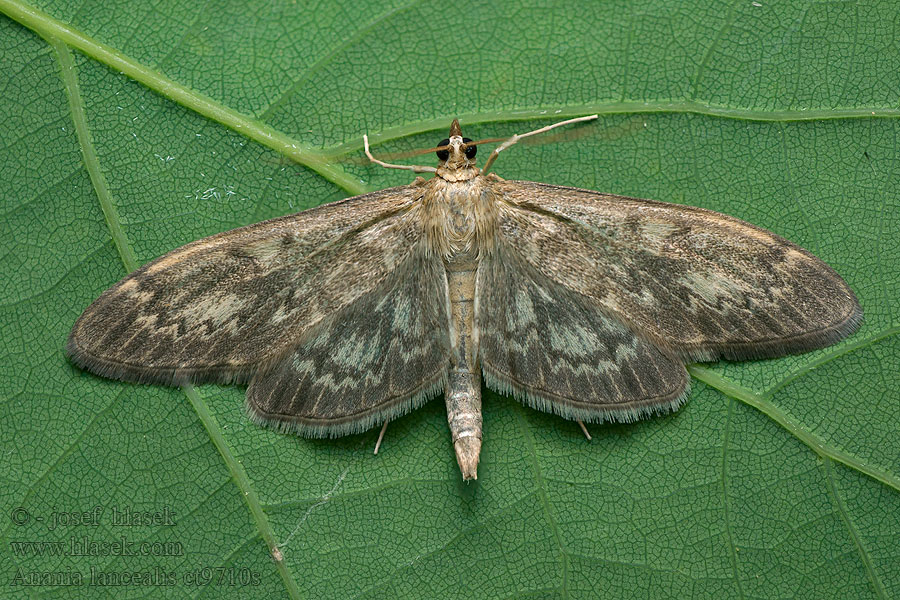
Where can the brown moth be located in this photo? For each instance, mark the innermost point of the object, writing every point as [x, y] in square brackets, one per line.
[348, 315]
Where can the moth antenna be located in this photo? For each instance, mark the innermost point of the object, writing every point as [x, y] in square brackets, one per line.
[584, 429]
[411, 153]
[519, 136]
[381, 436]
[484, 141]
[413, 168]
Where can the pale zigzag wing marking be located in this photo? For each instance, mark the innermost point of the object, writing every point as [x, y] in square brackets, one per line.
[220, 308]
[382, 356]
[556, 351]
[697, 283]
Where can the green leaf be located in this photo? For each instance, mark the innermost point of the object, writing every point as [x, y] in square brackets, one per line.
[132, 128]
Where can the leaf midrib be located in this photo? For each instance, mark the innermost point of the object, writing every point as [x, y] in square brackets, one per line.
[53, 29]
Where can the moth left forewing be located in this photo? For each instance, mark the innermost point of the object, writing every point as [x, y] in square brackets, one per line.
[697, 283]
[220, 308]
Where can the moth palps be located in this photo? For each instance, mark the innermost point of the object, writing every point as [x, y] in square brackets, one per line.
[345, 316]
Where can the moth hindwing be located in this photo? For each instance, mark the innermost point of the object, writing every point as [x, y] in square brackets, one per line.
[580, 303]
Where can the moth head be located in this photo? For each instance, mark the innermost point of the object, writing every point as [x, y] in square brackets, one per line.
[456, 151]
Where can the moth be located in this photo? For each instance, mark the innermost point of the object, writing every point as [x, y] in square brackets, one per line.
[350, 314]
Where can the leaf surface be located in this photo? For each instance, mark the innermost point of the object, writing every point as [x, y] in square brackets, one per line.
[132, 128]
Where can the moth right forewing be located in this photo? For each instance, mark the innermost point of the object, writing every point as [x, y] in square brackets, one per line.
[379, 357]
[558, 352]
[218, 308]
[699, 283]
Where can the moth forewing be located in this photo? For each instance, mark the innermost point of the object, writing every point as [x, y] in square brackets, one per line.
[696, 282]
[383, 356]
[221, 308]
[576, 302]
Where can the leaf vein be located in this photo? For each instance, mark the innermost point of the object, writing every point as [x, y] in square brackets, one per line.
[726, 513]
[851, 529]
[89, 154]
[328, 57]
[816, 443]
[542, 496]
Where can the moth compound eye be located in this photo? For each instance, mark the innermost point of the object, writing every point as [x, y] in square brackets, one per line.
[470, 150]
[444, 154]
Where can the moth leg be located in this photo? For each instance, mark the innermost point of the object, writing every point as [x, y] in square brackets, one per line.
[381, 436]
[519, 136]
[587, 434]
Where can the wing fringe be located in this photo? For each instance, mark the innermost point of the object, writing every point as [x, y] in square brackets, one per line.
[356, 423]
[572, 410]
[170, 376]
[772, 348]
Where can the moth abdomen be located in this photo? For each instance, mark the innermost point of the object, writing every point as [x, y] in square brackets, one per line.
[463, 398]
[463, 392]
